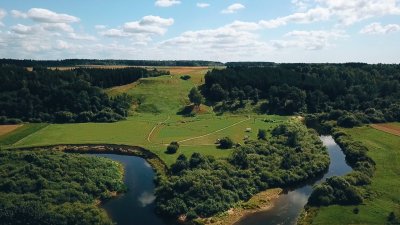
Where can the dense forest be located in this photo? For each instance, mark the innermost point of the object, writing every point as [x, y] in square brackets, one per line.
[54, 188]
[83, 62]
[359, 92]
[202, 186]
[44, 95]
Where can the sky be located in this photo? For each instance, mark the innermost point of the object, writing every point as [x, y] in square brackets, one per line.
[218, 30]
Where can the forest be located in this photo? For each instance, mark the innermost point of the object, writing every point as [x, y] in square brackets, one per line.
[108, 62]
[202, 186]
[55, 188]
[44, 95]
[361, 93]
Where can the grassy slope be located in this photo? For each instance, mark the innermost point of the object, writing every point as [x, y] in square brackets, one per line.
[21, 133]
[135, 130]
[384, 150]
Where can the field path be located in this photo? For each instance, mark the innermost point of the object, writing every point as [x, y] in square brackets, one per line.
[155, 127]
[205, 135]
[388, 128]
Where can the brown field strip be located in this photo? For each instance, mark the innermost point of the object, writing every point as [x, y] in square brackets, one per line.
[5, 129]
[388, 128]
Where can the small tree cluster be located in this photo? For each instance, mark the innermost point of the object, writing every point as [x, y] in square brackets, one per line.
[225, 143]
[173, 147]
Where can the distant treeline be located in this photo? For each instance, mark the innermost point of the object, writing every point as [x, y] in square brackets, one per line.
[311, 88]
[83, 62]
[105, 78]
[44, 95]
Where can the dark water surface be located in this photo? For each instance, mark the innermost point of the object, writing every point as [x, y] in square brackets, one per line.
[136, 206]
[288, 206]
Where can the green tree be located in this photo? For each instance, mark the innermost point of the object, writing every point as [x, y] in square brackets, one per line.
[262, 134]
[195, 97]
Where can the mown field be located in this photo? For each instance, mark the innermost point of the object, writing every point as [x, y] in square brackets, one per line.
[384, 190]
[154, 123]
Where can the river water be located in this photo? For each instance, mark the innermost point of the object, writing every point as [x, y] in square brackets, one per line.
[136, 206]
[288, 206]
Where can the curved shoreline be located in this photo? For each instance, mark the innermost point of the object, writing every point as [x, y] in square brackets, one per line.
[156, 163]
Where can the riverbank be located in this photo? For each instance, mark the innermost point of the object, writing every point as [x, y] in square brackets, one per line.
[156, 163]
[259, 202]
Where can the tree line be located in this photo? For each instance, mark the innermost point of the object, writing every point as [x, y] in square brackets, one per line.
[362, 92]
[202, 186]
[54, 188]
[83, 62]
[44, 95]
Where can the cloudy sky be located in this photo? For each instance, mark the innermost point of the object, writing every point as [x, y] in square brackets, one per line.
[221, 30]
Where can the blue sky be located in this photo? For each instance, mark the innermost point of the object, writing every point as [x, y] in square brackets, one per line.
[221, 30]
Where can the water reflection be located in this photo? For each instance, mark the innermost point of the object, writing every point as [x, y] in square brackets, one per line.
[146, 198]
[288, 206]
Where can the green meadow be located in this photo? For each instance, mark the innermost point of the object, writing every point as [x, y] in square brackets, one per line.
[154, 123]
[384, 191]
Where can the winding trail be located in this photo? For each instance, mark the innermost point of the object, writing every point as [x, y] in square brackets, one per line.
[155, 127]
[205, 135]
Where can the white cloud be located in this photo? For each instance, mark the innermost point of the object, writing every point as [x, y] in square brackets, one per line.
[202, 5]
[350, 12]
[166, 3]
[246, 26]
[378, 28]
[57, 27]
[3, 13]
[233, 8]
[18, 14]
[47, 16]
[312, 15]
[309, 40]
[345, 12]
[22, 29]
[82, 37]
[142, 29]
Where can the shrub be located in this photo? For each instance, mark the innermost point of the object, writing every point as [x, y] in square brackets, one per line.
[64, 117]
[173, 147]
[262, 134]
[225, 143]
[185, 77]
[348, 121]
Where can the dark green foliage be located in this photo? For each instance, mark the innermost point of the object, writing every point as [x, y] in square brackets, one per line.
[392, 219]
[348, 121]
[203, 186]
[344, 190]
[38, 187]
[335, 190]
[44, 95]
[195, 97]
[262, 134]
[185, 77]
[370, 93]
[107, 62]
[225, 143]
[173, 147]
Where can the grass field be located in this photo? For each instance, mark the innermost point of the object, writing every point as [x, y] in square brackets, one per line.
[155, 123]
[384, 149]
[20, 133]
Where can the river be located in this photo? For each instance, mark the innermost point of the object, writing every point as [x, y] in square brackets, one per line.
[288, 206]
[136, 206]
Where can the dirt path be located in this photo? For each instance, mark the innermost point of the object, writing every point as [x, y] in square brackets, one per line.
[205, 135]
[155, 127]
[388, 128]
